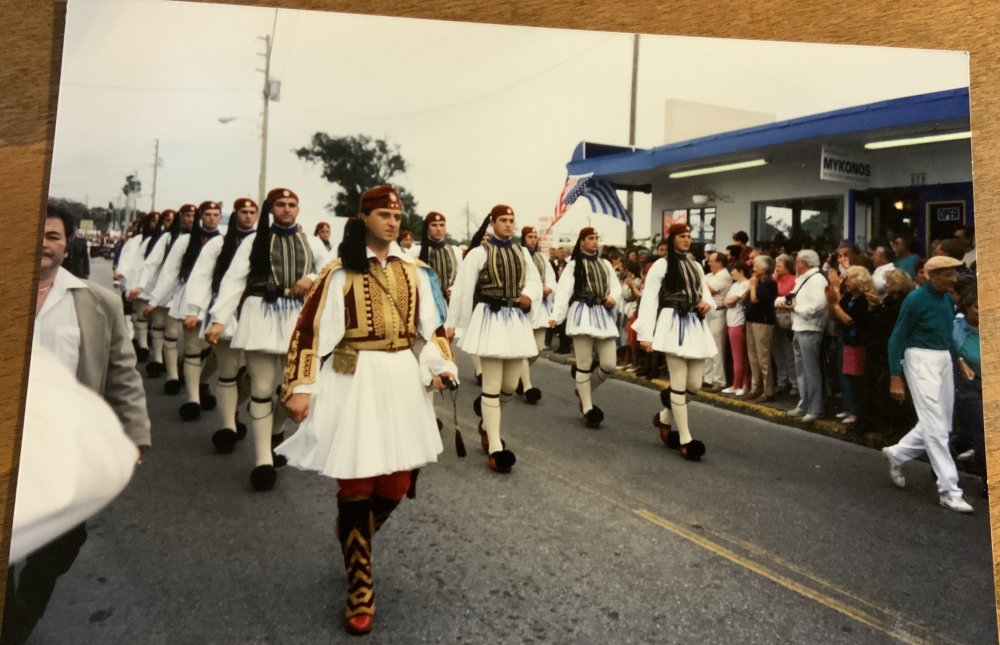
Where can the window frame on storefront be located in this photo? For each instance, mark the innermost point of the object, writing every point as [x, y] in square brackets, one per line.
[797, 205]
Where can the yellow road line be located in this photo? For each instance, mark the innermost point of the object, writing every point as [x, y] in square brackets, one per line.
[899, 626]
[827, 601]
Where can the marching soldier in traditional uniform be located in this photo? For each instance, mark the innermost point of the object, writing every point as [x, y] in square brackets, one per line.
[353, 381]
[166, 293]
[146, 274]
[541, 311]
[196, 350]
[587, 301]
[440, 256]
[202, 289]
[127, 273]
[490, 305]
[671, 320]
[266, 283]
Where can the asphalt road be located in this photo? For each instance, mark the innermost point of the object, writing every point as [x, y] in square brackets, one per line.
[597, 536]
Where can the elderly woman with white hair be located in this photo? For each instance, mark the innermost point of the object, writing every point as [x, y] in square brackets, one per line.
[808, 306]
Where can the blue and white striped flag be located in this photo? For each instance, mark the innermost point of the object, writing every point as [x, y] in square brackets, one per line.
[600, 194]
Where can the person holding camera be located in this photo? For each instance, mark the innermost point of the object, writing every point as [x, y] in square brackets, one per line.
[264, 287]
[354, 383]
[587, 299]
[675, 301]
[808, 306]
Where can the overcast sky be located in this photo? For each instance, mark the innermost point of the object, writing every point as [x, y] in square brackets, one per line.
[483, 114]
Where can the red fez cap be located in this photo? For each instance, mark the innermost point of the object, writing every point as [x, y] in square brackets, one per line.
[186, 208]
[586, 231]
[281, 193]
[526, 230]
[244, 202]
[501, 209]
[151, 213]
[433, 216]
[381, 196]
[677, 229]
[168, 211]
[206, 205]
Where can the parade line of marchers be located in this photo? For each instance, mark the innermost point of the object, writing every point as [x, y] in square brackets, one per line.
[351, 343]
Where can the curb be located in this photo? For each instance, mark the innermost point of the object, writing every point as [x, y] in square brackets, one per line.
[825, 427]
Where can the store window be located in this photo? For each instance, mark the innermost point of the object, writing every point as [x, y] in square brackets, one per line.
[813, 222]
[701, 221]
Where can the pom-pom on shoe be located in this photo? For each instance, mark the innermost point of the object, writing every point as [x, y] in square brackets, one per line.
[154, 369]
[693, 450]
[532, 395]
[262, 478]
[593, 417]
[224, 440]
[190, 411]
[501, 461]
[172, 387]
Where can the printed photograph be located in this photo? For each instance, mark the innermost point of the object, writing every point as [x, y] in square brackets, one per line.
[438, 332]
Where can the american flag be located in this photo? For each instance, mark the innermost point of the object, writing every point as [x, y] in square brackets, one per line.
[599, 193]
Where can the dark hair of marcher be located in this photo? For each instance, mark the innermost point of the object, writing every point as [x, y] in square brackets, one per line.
[260, 252]
[69, 224]
[673, 278]
[352, 250]
[477, 237]
[175, 232]
[425, 249]
[154, 237]
[230, 243]
[198, 238]
[144, 225]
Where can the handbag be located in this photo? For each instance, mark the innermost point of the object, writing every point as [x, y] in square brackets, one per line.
[854, 360]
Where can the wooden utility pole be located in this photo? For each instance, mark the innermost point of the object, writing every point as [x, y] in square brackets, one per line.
[629, 228]
[156, 165]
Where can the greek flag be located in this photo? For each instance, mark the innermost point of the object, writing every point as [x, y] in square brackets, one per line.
[600, 194]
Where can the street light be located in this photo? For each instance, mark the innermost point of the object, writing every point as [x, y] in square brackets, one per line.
[263, 151]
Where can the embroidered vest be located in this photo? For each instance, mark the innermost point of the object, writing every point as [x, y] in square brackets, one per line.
[442, 261]
[291, 259]
[594, 289]
[502, 277]
[380, 307]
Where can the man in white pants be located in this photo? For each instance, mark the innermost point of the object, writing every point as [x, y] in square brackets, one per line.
[921, 347]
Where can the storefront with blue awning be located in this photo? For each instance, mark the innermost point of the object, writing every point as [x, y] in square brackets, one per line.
[861, 173]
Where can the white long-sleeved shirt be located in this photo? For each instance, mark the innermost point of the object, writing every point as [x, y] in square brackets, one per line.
[168, 280]
[234, 283]
[649, 305]
[809, 312]
[567, 284]
[464, 290]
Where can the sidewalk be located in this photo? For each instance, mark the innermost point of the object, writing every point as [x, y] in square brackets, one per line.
[774, 411]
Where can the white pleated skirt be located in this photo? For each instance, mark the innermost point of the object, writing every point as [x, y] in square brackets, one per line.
[266, 327]
[379, 420]
[506, 333]
[540, 315]
[174, 309]
[685, 336]
[596, 321]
